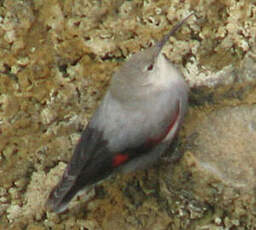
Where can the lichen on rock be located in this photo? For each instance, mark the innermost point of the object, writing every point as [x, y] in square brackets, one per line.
[56, 60]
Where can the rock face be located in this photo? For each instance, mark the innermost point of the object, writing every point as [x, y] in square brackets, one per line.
[217, 170]
[225, 145]
[56, 59]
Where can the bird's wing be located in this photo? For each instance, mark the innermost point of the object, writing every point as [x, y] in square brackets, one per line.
[92, 161]
[82, 170]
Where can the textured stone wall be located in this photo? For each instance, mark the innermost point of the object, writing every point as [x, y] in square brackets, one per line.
[56, 59]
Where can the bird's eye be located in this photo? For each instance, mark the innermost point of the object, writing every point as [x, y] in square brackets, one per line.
[150, 67]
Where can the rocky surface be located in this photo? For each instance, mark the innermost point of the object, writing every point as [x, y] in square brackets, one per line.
[56, 59]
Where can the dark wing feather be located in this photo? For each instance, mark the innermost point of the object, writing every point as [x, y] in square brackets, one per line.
[88, 165]
[92, 162]
[83, 169]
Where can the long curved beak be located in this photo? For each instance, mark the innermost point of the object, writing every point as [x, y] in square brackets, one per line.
[161, 43]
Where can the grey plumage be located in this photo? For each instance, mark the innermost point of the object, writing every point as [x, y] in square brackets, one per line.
[134, 124]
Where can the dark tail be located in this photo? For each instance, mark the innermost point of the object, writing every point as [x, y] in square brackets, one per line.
[90, 163]
[61, 195]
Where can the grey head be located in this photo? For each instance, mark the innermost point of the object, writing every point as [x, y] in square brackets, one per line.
[141, 67]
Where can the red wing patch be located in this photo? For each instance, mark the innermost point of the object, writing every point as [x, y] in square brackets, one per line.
[119, 159]
[156, 140]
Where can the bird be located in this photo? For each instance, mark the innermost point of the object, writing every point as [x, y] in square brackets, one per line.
[134, 124]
